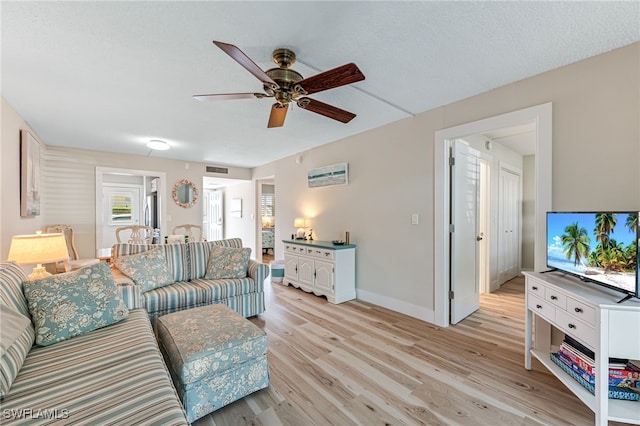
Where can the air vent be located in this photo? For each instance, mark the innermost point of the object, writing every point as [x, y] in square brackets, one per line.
[214, 169]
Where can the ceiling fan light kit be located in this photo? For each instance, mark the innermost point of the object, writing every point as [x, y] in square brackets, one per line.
[288, 86]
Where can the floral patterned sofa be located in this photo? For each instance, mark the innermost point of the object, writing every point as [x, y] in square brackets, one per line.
[72, 353]
[165, 278]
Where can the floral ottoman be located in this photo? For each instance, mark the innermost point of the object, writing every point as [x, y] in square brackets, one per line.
[215, 356]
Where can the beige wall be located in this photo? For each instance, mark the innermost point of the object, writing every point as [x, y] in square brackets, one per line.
[10, 221]
[595, 133]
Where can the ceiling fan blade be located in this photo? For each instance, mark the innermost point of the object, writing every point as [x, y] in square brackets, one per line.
[278, 114]
[228, 96]
[326, 110]
[239, 56]
[345, 74]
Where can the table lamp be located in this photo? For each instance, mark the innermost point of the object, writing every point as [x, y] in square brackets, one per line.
[38, 249]
[267, 221]
[301, 224]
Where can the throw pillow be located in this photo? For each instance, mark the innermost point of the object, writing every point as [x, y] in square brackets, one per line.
[147, 269]
[227, 262]
[13, 325]
[71, 304]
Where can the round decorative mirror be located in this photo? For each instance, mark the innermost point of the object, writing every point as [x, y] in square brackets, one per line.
[185, 193]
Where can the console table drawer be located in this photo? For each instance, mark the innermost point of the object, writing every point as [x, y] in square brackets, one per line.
[555, 297]
[580, 330]
[535, 287]
[320, 253]
[541, 307]
[581, 311]
[293, 248]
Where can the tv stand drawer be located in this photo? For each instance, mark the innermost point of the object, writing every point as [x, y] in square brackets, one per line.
[581, 310]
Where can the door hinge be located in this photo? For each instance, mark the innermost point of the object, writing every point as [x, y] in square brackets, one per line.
[452, 228]
[452, 161]
[450, 295]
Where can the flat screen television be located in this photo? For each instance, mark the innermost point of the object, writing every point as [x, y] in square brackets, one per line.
[600, 247]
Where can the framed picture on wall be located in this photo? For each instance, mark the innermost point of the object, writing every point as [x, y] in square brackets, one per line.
[236, 207]
[29, 174]
[337, 174]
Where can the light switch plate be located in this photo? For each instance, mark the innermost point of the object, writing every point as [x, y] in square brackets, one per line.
[414, 218]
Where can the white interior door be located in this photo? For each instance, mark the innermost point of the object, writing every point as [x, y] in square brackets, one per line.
[509, 225]
[120, 207]
[465, 176]
[214, 228]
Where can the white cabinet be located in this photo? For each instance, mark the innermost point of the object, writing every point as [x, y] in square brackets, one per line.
[321, 268]
[560, 305]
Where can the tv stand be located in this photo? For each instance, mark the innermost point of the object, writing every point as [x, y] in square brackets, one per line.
[557, 305]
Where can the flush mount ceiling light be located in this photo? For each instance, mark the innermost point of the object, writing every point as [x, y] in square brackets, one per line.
[158, 145]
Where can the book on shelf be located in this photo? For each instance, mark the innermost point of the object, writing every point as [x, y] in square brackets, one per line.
[576, 368]
[621, 372]
[615, 392]
[585, 357]
[626, 377]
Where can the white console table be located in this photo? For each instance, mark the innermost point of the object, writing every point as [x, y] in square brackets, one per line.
[322, 268]
[589, 313]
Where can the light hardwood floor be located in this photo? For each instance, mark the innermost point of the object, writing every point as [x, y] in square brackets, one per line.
[359, 364]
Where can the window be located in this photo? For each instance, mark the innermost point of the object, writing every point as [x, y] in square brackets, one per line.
[120, 207]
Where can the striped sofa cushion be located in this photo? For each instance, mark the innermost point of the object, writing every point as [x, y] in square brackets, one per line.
[199, 254]
[114, 375]
[11, 278]
[185, 295]
[247, 305]
[176, 254]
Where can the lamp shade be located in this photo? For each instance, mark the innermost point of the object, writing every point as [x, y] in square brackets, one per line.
[38, 249]
[300, 223]
[267, 221]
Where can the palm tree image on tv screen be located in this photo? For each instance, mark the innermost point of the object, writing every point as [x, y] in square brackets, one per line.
[602, 247]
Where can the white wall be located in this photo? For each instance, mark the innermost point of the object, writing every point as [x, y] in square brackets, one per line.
[528, 211]
[68, 186]
[241, 227]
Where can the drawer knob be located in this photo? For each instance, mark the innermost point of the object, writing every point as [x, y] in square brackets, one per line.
[539, 306]
[572, 326]
[554, 298]
[534, 288]
[578, 310]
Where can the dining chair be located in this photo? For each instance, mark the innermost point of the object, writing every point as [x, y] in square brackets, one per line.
[138, 234]
[188, 230]
[74, 262]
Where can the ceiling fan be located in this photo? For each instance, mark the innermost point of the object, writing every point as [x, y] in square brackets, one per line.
[287, 85]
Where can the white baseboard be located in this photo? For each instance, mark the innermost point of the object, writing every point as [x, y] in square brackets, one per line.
[415, 311]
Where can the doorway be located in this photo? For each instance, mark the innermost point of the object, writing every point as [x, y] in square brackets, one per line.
[108, 178]
[121, 206]
[541, 117]
[213, 215]
[267, 225]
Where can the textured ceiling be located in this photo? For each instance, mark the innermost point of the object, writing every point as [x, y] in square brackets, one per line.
[112, 75]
